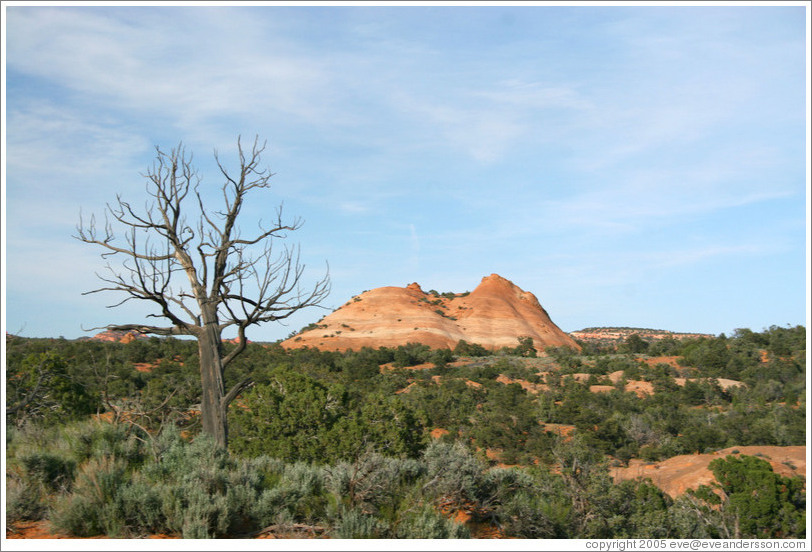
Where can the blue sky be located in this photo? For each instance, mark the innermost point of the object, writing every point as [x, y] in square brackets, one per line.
[632, 166]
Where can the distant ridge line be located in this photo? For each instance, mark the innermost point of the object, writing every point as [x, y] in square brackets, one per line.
[619, 333]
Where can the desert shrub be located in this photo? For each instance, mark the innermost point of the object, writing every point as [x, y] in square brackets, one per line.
[40, 387]
[498, 485]
[693, 520]
[463, 348]
[197, 514]
[354, 524]
[299, 495]
[90, 509]
[139, 506]
[52, 471]
[441, 357]
[454, 474]
[245, 484]
[95, 439]
[189, 488]
[372, 482]
[531, 514]
[411, 354]
[764, 504]
[78, 516]
[24, 500]
[427, 523]
[178, 460]
[199, 491]
[205, 493]
[45, 460]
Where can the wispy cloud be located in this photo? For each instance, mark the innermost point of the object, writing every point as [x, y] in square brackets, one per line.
[50, 141]
[634, 198]
[143, 63]
[486, 123]
[526, 96]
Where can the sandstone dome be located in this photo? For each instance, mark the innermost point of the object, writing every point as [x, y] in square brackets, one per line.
[494, 315]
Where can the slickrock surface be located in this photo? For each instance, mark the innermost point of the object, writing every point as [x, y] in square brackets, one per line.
[680, 473]
[494, 315]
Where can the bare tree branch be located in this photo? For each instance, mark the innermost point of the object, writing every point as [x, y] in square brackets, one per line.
[203, 276]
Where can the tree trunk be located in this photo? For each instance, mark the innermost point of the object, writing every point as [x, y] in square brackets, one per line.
[212, 409]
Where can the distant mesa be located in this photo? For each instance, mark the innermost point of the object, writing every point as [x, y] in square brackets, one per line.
[235, 340]
[494, 315]
[114, 336]
[616, 335]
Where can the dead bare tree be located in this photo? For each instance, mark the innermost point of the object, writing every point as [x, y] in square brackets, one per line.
[199, 273]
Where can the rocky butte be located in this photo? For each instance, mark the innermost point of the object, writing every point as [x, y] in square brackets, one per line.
[494, 315]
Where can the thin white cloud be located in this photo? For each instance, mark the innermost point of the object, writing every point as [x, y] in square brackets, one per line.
[527, 96]
[599, 270]
[353, 207]
[48, 141]
[636, 198]
[673, 258]
[147, 65]
[486, 123]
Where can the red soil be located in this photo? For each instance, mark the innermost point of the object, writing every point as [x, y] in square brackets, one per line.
[533, 388]
[438, 432]
[143, 366]
[562, 430]
[669, 360]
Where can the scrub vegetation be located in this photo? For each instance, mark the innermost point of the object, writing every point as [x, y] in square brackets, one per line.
[408, 442]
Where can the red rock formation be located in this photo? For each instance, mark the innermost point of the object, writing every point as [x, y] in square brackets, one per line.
[116, 336]
[494, 315]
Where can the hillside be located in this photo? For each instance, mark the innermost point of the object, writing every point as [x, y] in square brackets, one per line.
[494, 315]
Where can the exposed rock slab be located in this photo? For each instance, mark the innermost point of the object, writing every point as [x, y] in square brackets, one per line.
[680, 473]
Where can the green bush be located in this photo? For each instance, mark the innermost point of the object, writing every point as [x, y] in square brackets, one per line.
[24, 500]
[763, 503]
[463, 348]
[373, 482]
[353, 524]
[96, 439]
[139, 505]
[52, 471]
[531, 514]
[192, 489]
[298, 496]
[427, 523]
[455, 475]
[90, 509]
